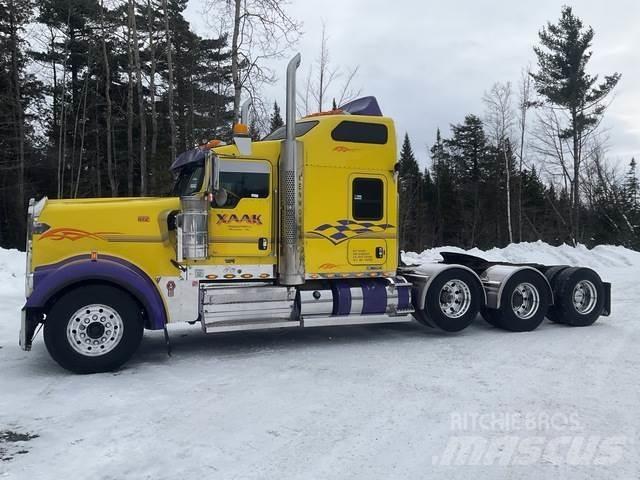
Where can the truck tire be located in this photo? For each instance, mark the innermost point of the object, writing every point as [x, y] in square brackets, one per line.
[523, 304]
[579, 297]
[93, 328]
[552, 275]
[452, 301]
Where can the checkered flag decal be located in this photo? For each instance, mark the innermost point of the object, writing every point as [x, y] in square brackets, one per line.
[346, 229]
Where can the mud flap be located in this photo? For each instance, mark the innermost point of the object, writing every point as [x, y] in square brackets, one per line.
[606, 311]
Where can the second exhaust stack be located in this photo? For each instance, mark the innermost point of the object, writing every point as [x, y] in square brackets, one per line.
[291, 269]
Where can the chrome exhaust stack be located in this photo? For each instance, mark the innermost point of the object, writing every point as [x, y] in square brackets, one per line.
[291, 268]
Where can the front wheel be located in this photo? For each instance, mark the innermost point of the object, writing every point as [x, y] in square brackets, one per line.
[94, 328]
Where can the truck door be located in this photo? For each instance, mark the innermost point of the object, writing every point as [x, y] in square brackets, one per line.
[369, 220]
[240, 223]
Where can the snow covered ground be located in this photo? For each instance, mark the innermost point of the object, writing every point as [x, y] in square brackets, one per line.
[390, 401]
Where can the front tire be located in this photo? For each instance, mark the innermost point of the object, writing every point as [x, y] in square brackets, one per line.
[93, 328]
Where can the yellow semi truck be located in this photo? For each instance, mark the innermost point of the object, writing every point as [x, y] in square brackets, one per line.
[297, 230]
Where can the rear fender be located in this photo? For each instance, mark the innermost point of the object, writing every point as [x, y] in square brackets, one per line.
[496, 277]
[422, 277]
[52, 279]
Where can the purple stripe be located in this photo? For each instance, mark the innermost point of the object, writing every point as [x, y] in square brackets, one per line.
[374, 296]
[341, 298]
[51, 279]
[403, 298]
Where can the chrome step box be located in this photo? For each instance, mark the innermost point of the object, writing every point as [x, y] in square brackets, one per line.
[246, 307]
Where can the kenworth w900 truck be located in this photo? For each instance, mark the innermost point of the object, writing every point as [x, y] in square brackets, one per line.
[297, 230]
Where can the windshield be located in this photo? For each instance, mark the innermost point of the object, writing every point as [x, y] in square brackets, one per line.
[301, 129]
[189, 180]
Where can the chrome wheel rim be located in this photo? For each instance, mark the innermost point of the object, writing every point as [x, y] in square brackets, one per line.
[525, 300]
[585, 297]
[455, 298]
[95, 330]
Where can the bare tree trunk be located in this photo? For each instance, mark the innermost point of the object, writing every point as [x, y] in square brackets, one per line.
[113, 184]
[84, 123]
[324, 61]
[152, 85]
[525, 102]
[172, 120]
[575, 214]
[98, 152]
[61, 134]
[130, 152]
[500, 122]
[19, 112]
[235, 70]
[507, 169]
[74, 140]
[141, 109]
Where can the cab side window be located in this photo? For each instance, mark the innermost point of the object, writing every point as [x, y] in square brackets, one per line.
[368, 199]
[242, 180]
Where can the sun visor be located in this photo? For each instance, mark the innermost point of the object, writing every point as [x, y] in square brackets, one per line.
[363, 106]
[190, 156]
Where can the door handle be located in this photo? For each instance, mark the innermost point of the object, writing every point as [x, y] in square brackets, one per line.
[263, 243]
[379, 252]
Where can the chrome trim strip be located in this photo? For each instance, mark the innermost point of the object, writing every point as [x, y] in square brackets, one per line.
[353, 320]
[250, 326]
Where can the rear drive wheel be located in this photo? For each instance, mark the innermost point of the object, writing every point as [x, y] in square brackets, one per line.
[579, 297]
[523, 304]
[453, 300]
[94, 328]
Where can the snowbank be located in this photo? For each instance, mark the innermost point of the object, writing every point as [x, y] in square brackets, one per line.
[12, 264]
[540, 252]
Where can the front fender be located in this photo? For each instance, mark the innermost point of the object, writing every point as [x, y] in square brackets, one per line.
[52, 279]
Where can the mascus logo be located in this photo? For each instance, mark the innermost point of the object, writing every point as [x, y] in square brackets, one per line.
[224, 218]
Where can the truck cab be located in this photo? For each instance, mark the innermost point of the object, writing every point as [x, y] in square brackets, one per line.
[348, 190]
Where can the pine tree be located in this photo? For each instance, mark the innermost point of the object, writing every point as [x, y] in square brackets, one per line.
[254, 130]
[275, 121]
[471, 163]
[409, 183]
[563, 81]
[632, 187]
[445, 197]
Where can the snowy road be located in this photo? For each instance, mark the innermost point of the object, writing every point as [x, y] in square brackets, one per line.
[392, 402]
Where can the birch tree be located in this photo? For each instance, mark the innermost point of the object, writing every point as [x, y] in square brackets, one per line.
[261, 30]
[499, 120]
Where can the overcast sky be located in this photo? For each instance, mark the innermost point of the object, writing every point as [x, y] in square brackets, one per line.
[429, 63]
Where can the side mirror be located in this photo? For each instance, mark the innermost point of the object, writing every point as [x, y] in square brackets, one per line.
[218, 196]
